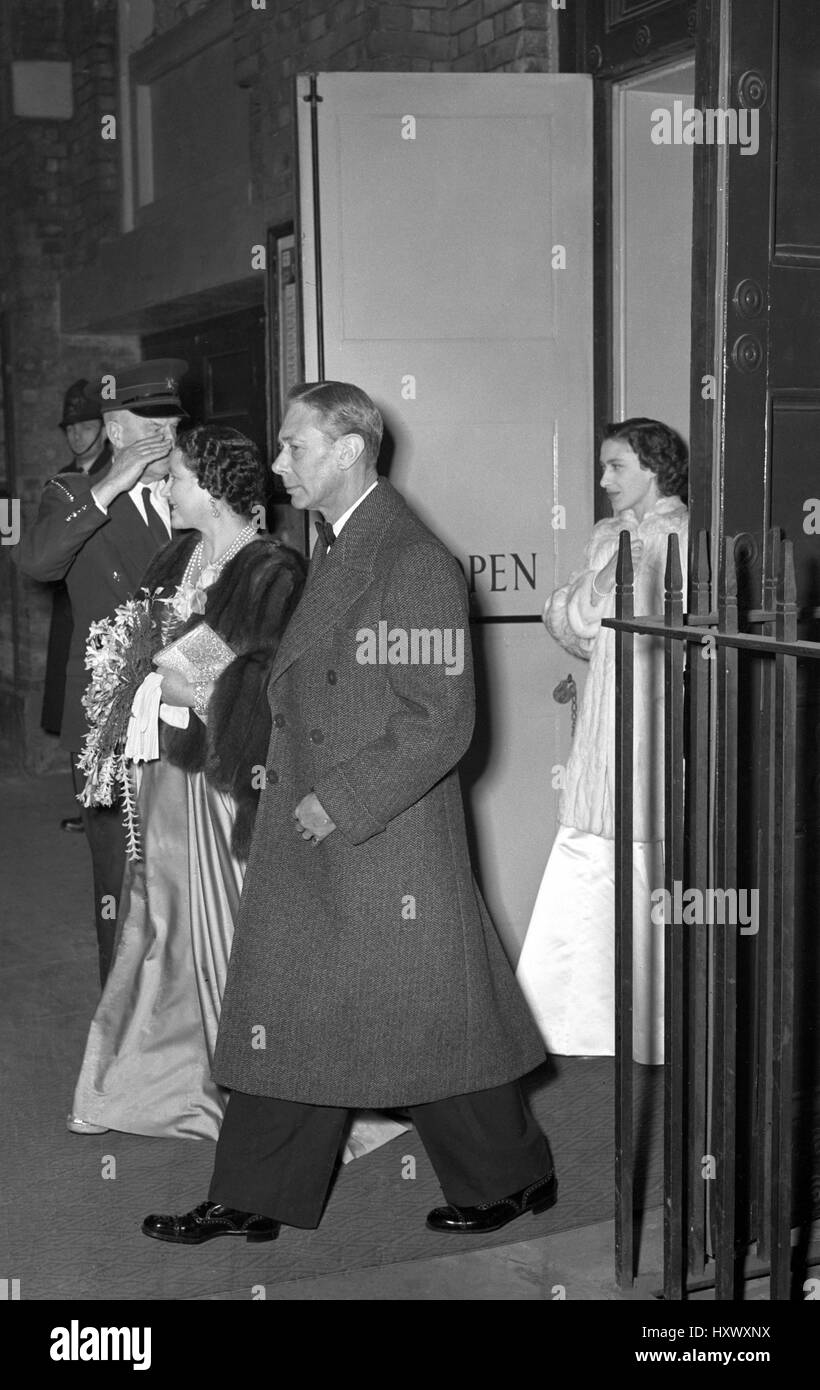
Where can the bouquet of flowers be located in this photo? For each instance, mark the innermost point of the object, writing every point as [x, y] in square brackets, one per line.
[118, 655]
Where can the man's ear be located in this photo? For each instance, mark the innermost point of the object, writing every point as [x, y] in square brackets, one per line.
[113, 429]
[351, 448]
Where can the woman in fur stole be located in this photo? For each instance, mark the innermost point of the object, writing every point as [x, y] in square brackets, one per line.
[148, 1056]
[566, 968]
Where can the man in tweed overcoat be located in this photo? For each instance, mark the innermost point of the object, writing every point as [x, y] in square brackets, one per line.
[365, 970]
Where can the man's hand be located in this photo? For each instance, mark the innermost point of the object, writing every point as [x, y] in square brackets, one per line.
[129, 465]
[312, 823]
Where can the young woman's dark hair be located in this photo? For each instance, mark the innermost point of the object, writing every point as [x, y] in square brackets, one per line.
[659, 448]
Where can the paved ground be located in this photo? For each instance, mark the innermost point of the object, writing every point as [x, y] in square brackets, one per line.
[48, 970]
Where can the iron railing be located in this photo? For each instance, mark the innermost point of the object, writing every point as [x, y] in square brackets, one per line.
[706, 679]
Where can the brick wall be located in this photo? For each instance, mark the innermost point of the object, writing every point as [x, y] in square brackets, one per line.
[292, 36]
[495, 36]
[60, 195]
[168, 13]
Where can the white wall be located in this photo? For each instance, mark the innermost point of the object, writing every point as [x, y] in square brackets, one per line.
[652, 248]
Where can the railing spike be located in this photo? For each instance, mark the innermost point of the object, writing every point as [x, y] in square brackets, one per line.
[789, 583]
[624, 578]
[624, 573]
[730, 571]
[674, 574]
[702, 559]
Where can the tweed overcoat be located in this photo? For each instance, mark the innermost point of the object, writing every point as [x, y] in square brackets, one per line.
[365, 970]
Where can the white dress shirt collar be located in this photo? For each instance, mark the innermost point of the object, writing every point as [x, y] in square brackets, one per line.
[158, 501]
[345, 517]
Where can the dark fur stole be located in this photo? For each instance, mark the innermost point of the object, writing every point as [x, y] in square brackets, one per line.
[249, 606]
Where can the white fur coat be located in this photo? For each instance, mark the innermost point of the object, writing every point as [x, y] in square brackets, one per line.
[588, 803]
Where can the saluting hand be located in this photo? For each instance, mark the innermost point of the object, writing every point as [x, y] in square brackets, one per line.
[129, 465]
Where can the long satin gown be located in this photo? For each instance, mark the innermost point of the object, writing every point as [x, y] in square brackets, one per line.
[566, 969]
[147, 1062]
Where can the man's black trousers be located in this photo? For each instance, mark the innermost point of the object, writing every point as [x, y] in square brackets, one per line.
[276, 1157]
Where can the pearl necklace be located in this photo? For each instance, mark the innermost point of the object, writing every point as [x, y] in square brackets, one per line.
[190, 596]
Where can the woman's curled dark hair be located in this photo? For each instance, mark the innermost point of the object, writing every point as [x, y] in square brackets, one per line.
[659, 448]
[226, 463]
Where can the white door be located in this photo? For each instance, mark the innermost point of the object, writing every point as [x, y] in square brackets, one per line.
[456, 265]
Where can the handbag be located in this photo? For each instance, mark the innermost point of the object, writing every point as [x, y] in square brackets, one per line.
[199, 655]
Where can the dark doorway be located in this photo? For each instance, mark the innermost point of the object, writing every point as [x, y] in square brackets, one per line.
[226, 377]
[225, 383]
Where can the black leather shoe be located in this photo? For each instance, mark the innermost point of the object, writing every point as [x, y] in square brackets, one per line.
[491, 1216]
[208, 1220]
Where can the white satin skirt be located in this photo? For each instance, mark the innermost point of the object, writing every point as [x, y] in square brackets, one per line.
[147, 1063]
[567, 964]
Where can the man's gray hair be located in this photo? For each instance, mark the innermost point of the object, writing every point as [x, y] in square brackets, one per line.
[343, 409]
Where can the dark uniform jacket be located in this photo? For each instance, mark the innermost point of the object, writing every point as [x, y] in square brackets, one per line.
[102, 559]
[62, 623]
[365, 970]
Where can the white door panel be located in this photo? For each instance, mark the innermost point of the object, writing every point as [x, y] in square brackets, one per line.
[441, 299]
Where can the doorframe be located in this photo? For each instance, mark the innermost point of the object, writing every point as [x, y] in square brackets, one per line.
[619, 87]
[613, 46]
[709, 250]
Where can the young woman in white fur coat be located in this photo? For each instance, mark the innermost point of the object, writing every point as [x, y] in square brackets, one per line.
[566, 968]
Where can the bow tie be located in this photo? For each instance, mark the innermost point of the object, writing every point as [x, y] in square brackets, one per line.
[325, 530]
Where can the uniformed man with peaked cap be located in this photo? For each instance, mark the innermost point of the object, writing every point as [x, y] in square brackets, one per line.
[99, 534]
